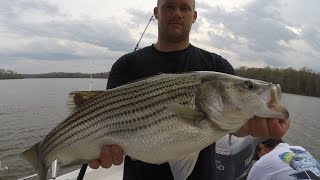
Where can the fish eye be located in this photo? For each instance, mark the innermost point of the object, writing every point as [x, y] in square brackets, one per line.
[249, 84]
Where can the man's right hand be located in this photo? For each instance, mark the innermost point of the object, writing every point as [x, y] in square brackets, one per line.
[109, 155]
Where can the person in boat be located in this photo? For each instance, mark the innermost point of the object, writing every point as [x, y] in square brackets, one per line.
[173, 53]
[279, 160]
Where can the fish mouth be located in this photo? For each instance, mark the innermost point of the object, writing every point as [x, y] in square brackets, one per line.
[271, 98]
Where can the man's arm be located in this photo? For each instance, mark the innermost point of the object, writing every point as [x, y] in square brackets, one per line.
[225, 67]
[120, 73]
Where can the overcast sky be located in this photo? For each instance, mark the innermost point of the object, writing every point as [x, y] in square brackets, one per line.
[39, 36]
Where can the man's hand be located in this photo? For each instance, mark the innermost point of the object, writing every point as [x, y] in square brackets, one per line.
[264, 128]
[109, 155]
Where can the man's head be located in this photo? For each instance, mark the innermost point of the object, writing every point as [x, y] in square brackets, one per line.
[175, 18]
[265, 147]
[193, 3]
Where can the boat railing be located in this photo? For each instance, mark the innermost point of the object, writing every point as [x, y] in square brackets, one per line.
[54, 169]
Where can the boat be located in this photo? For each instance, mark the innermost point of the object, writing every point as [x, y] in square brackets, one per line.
[234, 157]
[233, 162]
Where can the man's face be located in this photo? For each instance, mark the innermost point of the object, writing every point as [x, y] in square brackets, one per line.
[175, 18]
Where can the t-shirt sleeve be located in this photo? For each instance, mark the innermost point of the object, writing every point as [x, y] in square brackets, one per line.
[225, 67]
[220, 64]
[119, 73]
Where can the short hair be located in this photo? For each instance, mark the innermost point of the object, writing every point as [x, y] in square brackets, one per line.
[269, 143]
[193, 3]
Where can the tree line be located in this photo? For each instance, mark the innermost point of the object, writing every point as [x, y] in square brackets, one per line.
[67, 75]
[9, 74]
[303, 81]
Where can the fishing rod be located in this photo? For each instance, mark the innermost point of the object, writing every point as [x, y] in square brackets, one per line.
[137, 46]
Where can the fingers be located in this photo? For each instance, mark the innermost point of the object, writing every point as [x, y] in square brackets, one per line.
[278, 127]
[117, 154]
[255, 126]
[264, 128]
[243, 131]
[258, 127]
[106, 156]
[94, 164]
[109, 154]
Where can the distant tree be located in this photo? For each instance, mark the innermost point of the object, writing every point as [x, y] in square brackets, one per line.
[303, 81]
[9, 74]
[67, 75]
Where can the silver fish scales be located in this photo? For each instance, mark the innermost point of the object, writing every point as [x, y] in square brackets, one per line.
[166, 118]
[111, 111]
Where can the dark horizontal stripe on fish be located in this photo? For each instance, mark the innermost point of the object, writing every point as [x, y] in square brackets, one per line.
[89, 123]
[97, 132]
[105, 101]
[97, 108]
[139, 89]
[131, 130]
[123, 92]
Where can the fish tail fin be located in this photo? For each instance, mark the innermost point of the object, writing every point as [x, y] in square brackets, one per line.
[33, 157]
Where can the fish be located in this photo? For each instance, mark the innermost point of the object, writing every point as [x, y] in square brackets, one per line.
[163, 118]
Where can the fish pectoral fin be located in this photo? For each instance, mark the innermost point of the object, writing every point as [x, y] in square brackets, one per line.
[187, 114]
[77, 98]
[182, 168]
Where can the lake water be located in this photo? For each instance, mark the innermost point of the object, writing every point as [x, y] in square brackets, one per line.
[30, 108]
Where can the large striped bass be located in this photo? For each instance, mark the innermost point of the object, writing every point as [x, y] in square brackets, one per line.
[165, 118]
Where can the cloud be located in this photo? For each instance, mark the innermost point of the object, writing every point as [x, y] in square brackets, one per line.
[259, 34]
[15, 9]
[51, 49]
[138, 17]
[55, 36]
[259, 24]
[312, 36]
[108, 33]
[252, 33]
[138, 20]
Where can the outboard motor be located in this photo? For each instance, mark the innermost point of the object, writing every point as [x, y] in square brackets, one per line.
[233, 157]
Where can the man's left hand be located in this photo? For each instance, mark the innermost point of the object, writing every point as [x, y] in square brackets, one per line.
[264, 128]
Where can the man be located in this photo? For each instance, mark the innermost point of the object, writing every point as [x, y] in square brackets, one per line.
[278, 160]
[173, 53]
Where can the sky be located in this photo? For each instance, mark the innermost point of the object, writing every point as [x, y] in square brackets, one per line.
[41, 36]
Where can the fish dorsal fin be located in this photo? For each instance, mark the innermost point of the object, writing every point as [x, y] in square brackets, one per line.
[77, 98]
[187, 114]
[182, 168]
